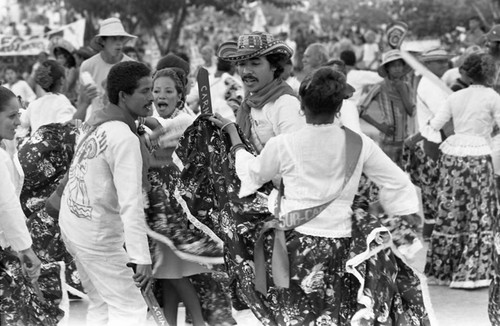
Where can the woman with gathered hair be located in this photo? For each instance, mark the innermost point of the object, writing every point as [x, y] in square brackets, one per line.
[302, 255]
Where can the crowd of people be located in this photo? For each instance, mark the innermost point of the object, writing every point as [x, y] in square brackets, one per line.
[294, 201]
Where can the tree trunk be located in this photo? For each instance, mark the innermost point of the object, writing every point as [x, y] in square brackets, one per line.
[179, 18]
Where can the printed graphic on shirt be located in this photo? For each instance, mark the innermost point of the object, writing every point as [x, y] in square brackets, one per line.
[78, 197]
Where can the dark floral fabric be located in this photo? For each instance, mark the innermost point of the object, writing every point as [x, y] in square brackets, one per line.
[461, 248]
[168, 222]
[45, 158]
[19, 302]
[424, 173]
[326, 273]
[213, 291]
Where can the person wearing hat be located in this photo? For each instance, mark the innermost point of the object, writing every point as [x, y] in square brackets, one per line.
[270, 106]
[311, 285]
[63, 52]
[389, 106]
[110, 43]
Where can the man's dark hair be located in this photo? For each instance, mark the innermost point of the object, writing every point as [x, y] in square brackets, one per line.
[223, 65]
[278, 61]
[349, 57]
[124, 77]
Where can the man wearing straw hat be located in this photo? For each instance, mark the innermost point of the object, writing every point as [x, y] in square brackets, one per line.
[110, 43]
[270, 106]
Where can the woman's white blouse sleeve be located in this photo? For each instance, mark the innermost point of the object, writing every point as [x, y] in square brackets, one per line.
[398, 195]
[12, 219]
[254, 171]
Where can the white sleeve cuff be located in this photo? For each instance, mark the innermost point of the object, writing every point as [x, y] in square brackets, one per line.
[243, 159]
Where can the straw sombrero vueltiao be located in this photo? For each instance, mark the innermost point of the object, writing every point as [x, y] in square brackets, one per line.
[109, 27]
[255, 44]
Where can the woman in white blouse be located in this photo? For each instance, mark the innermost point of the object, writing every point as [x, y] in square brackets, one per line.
[461, 248]
[317, 172]
[14, 234]
[54, 106]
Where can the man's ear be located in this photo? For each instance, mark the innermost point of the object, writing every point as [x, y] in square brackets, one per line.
[122, 96]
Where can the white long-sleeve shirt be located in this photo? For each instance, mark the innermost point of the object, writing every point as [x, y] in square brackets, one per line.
[50, 108]
[312, 164]
[275, 118]
[474, 111]
[429, 100]
[13, 229]
[102, 205]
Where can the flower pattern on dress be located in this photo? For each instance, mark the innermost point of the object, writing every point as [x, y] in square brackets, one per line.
[45, 158]
[461, 247]
[210, 185]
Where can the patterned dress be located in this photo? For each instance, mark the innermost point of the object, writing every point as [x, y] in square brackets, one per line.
[45, 158]
[461, 247]
[334, 281]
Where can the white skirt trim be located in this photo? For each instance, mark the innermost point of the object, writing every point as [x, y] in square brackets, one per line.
[466, 145]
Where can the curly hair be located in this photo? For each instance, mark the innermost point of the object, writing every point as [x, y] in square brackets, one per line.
[5, 96]
[177, 76]
[480, 67]
[124, 77]
[50, 75]
[323, 91]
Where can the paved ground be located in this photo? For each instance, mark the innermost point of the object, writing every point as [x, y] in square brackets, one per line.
[451, 307]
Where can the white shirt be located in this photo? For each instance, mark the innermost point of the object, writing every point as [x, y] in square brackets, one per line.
[474, 111]
[275, 118]
[451, 76]
[99, 69]
[359, 79]
[312, 164]
[13, 229]
[50, 108]
[429, 100]
[102, 206]
[349, 116]
[21, 88]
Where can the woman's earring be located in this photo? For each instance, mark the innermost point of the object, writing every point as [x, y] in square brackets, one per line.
[180, 104]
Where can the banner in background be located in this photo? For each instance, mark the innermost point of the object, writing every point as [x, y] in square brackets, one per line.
[14, 45]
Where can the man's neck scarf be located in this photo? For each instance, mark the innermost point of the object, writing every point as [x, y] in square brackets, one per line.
[270, 93]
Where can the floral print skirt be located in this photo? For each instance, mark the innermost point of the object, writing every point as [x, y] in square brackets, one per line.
[460, 252]
[19, 302]
[332, 279]
[424, 173]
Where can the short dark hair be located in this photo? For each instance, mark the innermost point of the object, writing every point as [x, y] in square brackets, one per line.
[278, 61]
[124, 77]
[224, 65]
[13, 68]
[323, 90]
[349, 57]
[5, 96]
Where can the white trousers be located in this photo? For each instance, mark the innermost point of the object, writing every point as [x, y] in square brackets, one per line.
[114, 298]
